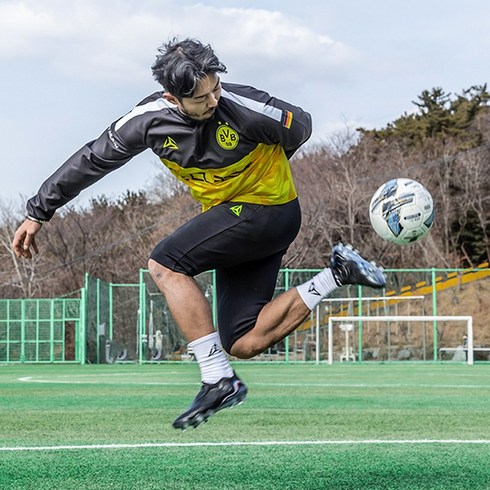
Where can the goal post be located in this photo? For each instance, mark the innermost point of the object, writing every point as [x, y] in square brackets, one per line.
[407, 318]
[389, 305]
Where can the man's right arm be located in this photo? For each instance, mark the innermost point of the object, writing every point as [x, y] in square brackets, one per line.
[124, 139]
[81, 170]
[88, 165]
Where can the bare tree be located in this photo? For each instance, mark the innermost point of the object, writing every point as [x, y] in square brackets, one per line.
[18, 278]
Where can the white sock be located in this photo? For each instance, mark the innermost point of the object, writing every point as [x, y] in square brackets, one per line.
[319, 286]
[212, 361]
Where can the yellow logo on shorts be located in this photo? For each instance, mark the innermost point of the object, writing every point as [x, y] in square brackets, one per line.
[226, 137]
[237, 209]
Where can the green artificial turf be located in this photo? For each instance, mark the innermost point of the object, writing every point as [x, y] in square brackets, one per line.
[349, 426]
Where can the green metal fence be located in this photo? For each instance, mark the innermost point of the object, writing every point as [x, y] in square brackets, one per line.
[109, 323]
[41, 330]
[112, 321]
[159, 337]
[421, 292]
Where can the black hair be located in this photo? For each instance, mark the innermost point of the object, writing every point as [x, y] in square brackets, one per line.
[180, 65]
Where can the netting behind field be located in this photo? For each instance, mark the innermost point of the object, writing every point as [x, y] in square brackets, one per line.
[112, 321]
[408, 293]
[97, 317]
[160, 338]
[40, 330]
[346, 339]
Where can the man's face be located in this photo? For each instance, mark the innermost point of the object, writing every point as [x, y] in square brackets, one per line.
[202, 104]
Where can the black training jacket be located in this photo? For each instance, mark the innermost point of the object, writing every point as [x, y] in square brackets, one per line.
[240, 154]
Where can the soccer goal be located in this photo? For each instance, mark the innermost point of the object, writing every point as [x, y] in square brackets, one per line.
[348, 321]
[373, 346]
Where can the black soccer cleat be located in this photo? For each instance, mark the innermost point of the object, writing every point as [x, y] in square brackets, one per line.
[348, 267]
[227, 392]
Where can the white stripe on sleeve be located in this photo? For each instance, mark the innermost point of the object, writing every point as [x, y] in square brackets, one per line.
[156, 105]
[260, 107]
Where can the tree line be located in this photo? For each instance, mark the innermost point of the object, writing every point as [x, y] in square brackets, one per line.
[444, 144]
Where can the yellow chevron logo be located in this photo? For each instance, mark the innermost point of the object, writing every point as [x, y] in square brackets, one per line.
[237, 209]
[170, 143]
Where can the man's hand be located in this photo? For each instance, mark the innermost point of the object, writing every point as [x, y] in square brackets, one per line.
[24, 239]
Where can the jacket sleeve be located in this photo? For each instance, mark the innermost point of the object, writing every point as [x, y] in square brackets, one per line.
[88, 165]
[271, 120]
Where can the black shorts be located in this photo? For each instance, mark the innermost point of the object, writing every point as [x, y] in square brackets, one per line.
[245, 243]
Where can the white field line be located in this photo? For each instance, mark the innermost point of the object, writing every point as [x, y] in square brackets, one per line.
[30, 379]
[244, 443]
[71, 380]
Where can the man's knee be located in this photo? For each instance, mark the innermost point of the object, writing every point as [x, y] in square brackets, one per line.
[155, 269]
[158, 272]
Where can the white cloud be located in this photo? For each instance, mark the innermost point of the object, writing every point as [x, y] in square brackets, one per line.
[270, 42]
[89, 40]
[21, 29]
[108, 40]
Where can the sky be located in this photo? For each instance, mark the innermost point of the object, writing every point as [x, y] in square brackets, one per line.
[68, 69]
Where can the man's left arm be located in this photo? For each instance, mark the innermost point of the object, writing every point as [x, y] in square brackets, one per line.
[272, 120]
[293, 129]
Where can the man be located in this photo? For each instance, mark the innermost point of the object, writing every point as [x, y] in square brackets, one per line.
[231, 145]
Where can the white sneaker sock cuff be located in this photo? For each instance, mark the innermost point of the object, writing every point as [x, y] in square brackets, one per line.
[202, 346]
[213, 363]
[317, 288]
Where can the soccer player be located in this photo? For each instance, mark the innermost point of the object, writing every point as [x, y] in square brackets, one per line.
[231, 145]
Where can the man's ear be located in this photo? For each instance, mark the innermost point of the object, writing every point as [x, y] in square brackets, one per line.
[171, 98]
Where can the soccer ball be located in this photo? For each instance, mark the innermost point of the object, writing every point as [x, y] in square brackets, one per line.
[401, 211]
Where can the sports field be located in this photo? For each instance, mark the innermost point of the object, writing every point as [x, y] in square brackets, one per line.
[403, 426]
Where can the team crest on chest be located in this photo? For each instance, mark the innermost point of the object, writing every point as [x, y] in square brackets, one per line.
[226, 137]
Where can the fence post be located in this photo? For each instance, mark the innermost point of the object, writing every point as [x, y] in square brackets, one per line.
[359, 309]
[141, 316]
[434, 311]
[286, 340]
[23, 331]
[83, 323]
[51, 329]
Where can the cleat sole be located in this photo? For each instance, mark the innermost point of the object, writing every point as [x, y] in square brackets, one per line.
[203, 417]
[233, 392]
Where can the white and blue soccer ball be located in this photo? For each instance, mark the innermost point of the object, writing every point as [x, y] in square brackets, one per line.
[401, 211]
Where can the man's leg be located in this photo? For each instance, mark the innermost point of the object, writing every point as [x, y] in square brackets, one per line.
[231, 243]
[221, 388]
[181, 291]
[249, 321]
[281, 316]
[225, 235]
[276, 321]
